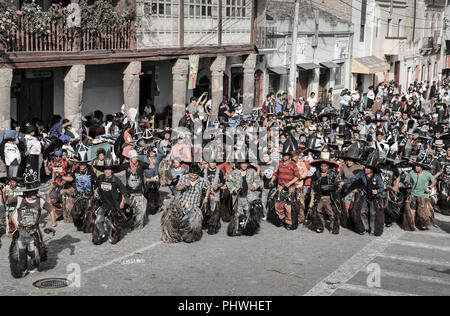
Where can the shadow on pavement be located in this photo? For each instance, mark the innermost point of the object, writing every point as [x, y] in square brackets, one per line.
[54, 247]
[445, 226]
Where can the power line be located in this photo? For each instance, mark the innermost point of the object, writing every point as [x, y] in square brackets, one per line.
[398, 14]
[386, 22]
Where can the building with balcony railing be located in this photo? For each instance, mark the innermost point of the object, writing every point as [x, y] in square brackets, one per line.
[143, 56]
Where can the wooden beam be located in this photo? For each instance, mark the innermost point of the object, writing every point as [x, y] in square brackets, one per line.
[219, 22]
[254, 13]
[46, 60]
[181, 21]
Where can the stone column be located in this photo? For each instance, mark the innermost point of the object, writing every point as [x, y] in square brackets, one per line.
[73, 94]
[131, 85]
[217, 70]
[6, 75]
[180, 71]
[315, 82]
[249, 83]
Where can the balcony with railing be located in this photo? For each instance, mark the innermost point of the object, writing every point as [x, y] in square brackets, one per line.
[61, 39]
[266, 38]
[32, 30]
[428, 43]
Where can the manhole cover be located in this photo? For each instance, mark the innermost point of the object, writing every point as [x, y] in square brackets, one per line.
[53, 283]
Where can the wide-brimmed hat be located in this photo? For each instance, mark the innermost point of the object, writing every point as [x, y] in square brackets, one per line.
[82, 157]
[109, 161]
[324, 159]
[354, 152]
[288, 148]
[32, 182]
[439, 143]
[372, 161]
[423, 160]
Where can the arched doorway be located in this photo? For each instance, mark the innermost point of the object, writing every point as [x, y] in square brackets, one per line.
[202, 87]
[416, 76]
[259, 88]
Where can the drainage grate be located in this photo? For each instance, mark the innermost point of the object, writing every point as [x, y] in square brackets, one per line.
[53, 283]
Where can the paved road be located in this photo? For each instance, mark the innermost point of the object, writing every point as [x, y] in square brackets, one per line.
[275, 262]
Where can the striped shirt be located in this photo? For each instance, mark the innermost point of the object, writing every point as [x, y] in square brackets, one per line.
[287, 172]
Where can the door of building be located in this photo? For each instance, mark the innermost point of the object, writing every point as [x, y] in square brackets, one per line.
[416, 76]
[202, 87]
[147, 88]
[226, 87]
[302, 84]
[36, 98]
[323, 81]
[397, 72]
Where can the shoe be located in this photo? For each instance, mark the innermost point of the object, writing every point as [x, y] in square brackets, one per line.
[289, 227]
[424, 228]
[389, 225]
[319, 231]
[362, 233]
[264, 218]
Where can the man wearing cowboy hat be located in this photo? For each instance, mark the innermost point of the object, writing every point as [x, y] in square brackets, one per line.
[418, 210]
[372, 213]
[286, 175]
[26, 218]
[351, 167]
[324, 200]
[112, 196]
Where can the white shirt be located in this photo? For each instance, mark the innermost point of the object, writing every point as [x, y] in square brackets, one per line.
[312, 103]
[33, 145]
[11, 153]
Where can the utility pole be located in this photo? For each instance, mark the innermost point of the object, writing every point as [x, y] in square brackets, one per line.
[414, 22]
[293, 68]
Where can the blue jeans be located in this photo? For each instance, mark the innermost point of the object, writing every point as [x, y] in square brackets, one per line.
[266, 193]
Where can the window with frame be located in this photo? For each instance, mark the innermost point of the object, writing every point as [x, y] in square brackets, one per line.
[389, 25]
[236, 8]
[200, 8]
[339, 80]
[162, 7]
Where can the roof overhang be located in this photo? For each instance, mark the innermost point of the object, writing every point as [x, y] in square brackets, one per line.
[369, 65]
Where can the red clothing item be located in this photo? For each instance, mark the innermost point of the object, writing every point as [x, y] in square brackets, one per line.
[287, 173]
[308, 180]
[59, 169]
[224, 168]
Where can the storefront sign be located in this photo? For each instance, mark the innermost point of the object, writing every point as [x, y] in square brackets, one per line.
[301, 50]
[37, 74]
[341, 48]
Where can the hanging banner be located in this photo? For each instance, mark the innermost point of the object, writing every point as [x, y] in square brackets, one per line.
[193, 70]
[341, 48]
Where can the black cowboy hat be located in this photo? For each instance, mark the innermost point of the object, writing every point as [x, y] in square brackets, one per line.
[354, 152]
[352, 121]
[82, 157]
[423, 160]
[325, 156]
[378, 117]
[288, 148]
[372, 161]
[108, 162]
[32, 182]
